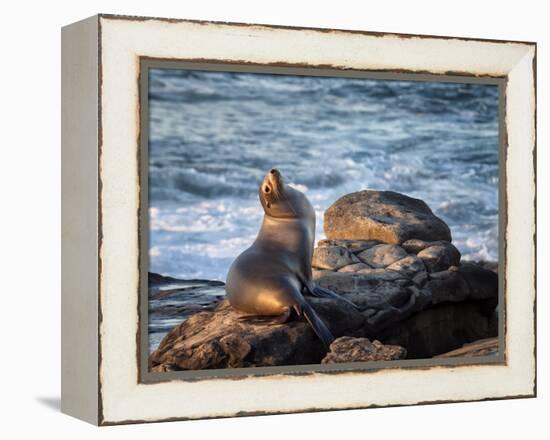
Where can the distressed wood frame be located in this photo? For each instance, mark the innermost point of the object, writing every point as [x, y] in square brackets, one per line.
[101, 59]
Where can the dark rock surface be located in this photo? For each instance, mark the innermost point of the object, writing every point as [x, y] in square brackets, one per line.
[386, 216]
[483, 282]
[348, 349]
[433, 331]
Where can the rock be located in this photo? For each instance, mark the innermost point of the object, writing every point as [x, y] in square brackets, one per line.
[440, 329]
[482, 282]
[162, 368]
[381, 274]
[483, 347]
[340, 317]
[318, 273]
[421, 278]
[354, 246]
[358, 282]
[489, 265]
[394, 305]
[380, 299]
[348, 349]
[382, 255]
[448, 286]
[354, 267]
[332, 257]
[222, 339]
[467, 282]
[440, 257]
[386, 216]
[414, 245]
[380, 295]
[408, 266]
[387, 297]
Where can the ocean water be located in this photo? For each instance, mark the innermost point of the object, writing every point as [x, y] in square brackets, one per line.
[214, 135]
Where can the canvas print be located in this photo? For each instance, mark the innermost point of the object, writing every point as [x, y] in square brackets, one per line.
[314, 220]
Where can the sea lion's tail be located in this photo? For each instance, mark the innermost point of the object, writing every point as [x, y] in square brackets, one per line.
[319, 327]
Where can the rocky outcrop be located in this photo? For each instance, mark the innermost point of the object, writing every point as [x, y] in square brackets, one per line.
[454, 307]
[225, 338]
[394, 261]
[348, 349]
[424, 312]
[385, 216]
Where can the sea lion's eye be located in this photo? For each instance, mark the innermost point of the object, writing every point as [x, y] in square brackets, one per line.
[267, 189]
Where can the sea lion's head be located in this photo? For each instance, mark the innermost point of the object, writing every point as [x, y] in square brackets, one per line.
[280, 200]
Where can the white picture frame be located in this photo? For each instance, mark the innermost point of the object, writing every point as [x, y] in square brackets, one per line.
[101, 377]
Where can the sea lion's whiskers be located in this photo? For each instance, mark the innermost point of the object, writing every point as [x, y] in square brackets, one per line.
[276, 192]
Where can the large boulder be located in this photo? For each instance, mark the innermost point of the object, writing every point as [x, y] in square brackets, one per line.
[348, 349]
[385, 216]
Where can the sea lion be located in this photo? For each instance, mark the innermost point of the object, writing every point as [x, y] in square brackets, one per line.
[268, 278]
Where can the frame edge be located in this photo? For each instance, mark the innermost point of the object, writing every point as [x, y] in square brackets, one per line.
[109, 420]
[80, 222]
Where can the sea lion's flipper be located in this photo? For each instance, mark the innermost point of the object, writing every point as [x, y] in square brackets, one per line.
[319, 327]
[322, 292]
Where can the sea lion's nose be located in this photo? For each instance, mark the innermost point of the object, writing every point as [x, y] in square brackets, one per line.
[274, 171]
